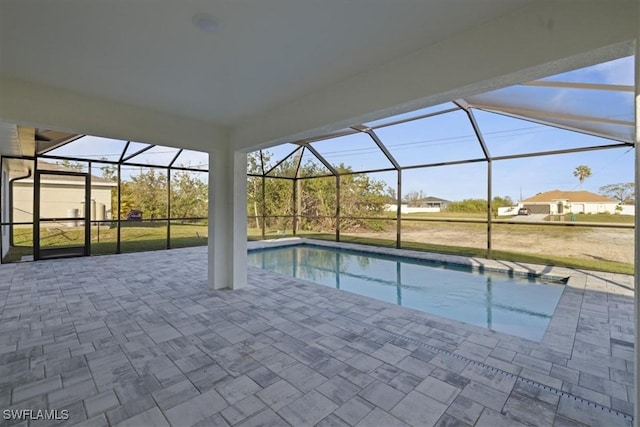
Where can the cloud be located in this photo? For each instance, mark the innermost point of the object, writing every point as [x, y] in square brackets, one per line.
[619, 72]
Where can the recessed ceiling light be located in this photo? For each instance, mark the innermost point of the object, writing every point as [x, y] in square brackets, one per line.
[205, 22]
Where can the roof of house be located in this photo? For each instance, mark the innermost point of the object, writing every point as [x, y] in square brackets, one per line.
[433, 199]
[46, 166]
[571, 196]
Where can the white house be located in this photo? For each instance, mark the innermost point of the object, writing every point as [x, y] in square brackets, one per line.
[561, 202]
[59, 195]
[424, 205]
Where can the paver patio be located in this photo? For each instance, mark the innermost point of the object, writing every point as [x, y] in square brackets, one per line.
[139, 339]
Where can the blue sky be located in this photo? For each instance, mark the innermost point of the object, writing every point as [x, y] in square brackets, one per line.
[95, 148]
[526, 177]
[450, 137]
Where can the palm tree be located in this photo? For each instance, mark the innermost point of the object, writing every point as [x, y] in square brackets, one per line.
[582, 172]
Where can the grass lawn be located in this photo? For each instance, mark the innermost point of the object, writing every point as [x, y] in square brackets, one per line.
[148, 236]
[604, 218]
[137, 237]
[445, 215]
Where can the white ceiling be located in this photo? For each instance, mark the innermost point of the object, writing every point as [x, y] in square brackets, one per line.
[9, 138]
[148, 53]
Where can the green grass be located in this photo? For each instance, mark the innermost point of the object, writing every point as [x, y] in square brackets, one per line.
[444, 215]
[603, 218]
[552, 260]
[138, 238]
[134, 237]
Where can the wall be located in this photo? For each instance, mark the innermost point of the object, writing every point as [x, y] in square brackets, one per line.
[102, 197]
[627, 210]
[34, 105]
[56, 200]
[507, 210]
[408, 210]
[593, 208]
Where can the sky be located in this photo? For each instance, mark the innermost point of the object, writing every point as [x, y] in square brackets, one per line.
[450, 137]
[96, 148]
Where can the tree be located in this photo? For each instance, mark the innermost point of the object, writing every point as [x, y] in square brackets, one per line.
[499, 202]
[71, 165]
[582, 172]
[316, 203]
[146, 192]
[254, 183]
[413, 197]
[622, 192]
[361, 196]
[468, 206]
[110, 172]
[189, 195]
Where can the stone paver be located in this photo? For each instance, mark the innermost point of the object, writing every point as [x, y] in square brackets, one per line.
[279, 394]
[354, 410]
[141, 340]
[465, 410]
[101, 403]
[339, 389]
[242, 410]
[419, 409]
[438, 390]
[381, 395]
[237, 389]
[152, 417]
[378, 417]
[196, 409]
[308, 410]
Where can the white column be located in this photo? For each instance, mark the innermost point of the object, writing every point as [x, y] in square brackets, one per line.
[636, 279]
[227, 219]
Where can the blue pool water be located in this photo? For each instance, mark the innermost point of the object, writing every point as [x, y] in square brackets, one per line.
[515, 305]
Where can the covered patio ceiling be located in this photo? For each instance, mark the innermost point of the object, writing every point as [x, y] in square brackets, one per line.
[260, 75]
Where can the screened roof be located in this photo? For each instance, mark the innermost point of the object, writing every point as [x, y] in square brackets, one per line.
[578, 110]
[106, 150]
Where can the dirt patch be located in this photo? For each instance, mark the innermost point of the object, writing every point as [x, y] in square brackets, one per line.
[605, 244]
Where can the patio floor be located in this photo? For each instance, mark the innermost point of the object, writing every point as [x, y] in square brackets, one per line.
[139, 339]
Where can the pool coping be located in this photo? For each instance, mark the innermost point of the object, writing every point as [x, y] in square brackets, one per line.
[554, 273]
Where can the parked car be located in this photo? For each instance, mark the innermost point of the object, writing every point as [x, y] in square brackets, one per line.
[523, 211]
[134, 215]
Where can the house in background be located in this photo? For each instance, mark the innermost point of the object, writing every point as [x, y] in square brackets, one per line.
[430, 202]
[558, 202]
[423, 205]
[61, 196]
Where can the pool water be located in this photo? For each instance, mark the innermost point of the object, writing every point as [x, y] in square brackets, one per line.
[516, 305]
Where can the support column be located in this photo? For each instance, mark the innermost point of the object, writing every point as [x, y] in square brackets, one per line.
[636, 258]
[263, 226]
[489, 207]
[227, 219]
[399, 211]
[338, 198]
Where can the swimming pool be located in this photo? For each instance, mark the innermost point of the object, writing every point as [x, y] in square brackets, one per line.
[515, 305]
